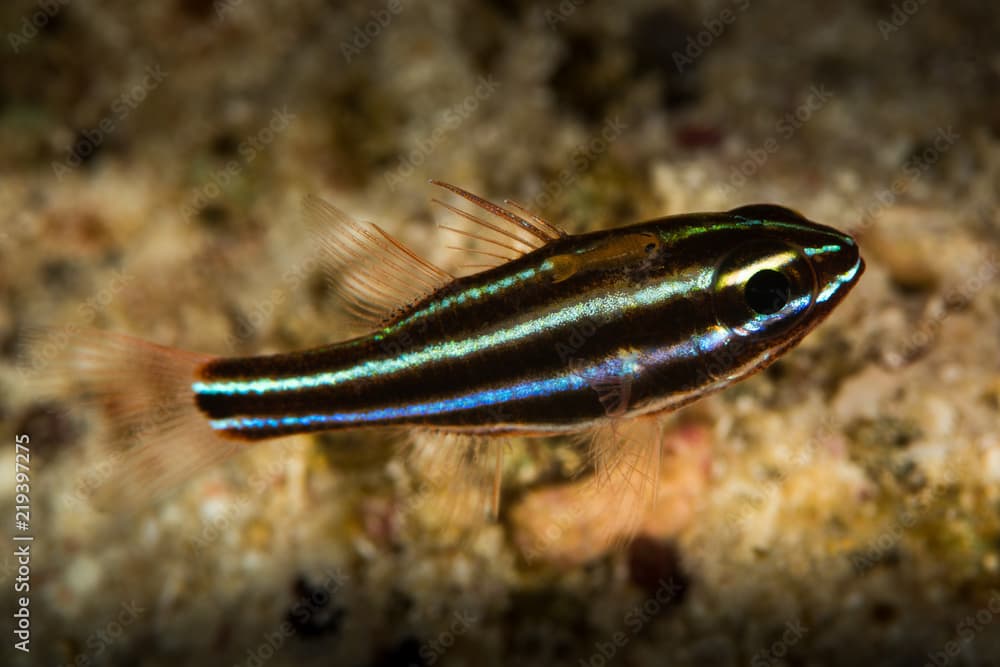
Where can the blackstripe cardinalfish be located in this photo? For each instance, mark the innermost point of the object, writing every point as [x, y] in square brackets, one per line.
[561, 333]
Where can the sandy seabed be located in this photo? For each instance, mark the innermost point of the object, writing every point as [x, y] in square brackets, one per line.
[842, 507]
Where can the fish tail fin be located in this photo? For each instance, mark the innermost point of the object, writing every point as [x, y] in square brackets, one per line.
[154, 437]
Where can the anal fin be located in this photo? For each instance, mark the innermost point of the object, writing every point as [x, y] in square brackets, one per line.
[461, 476]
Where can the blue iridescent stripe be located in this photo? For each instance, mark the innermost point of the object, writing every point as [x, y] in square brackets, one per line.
[516, 392]
[836, 283]
[470, 294]
[627, 364]
[457, 349]
[698, 345]
[833, 247]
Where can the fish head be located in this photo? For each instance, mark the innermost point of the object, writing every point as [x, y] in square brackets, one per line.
[751, 283]
[783, 274]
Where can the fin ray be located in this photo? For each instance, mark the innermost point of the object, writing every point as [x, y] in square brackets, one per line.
[485, 239]
[371, 270]
[532, 245]
[603, 511]
[544, 234]
[157, 438]
[462, 471]
[515, 233]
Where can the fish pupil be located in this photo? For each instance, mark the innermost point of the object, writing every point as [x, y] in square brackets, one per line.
[767, 291]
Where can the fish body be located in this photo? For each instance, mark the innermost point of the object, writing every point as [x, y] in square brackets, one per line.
[614, 323]
[563, 334]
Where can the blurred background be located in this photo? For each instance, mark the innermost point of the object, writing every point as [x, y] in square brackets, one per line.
[842, 507]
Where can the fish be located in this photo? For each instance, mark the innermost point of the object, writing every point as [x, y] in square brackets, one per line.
[557, 334]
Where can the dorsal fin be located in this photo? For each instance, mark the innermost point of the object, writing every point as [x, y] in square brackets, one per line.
[375, 274]
[512, 236]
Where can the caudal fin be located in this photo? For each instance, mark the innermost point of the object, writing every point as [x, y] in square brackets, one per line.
[154, 437]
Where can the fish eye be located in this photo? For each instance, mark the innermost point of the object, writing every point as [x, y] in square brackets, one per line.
[763, 288]
[767, 291]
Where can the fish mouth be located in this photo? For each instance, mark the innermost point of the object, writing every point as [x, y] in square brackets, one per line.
[835, 283]
[837, 263]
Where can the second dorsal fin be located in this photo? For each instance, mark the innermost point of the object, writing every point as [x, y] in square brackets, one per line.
[375, 274]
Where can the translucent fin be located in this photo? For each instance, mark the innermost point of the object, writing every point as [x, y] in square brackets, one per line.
[614, 391]
[375, 274]
[155, 437]
[511, 236]
[461, 476]
[652, 487]
[626, 456]
[577, 522]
